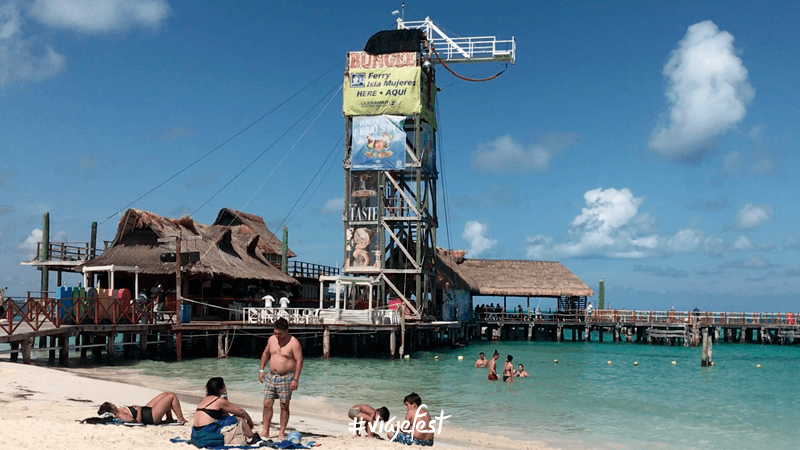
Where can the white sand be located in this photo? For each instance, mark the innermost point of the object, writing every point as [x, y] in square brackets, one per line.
[40, 409]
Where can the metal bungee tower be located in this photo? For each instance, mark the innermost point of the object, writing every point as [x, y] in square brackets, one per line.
[389, 105]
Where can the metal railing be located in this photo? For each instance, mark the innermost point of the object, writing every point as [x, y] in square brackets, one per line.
[268, 316]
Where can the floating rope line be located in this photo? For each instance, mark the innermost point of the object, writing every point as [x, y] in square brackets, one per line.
[476, 80]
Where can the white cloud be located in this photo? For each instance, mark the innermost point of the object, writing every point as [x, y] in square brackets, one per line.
[100, 16]
[743, 243]
[505, 154]
[477, 234]
[611, 226]
[750, 216]
[707, 90]
[731, 163]
[29, 244]
[537, 247]
[23, 60]
[333, 206]
[692, 240]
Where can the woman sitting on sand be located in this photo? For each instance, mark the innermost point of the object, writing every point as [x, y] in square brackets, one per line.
[164, 404]
[219, 422]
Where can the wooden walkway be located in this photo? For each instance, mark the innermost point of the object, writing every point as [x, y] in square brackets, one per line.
[665, 327]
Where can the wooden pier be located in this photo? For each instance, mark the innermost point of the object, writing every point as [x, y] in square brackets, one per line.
[59, 329]
[643, 327]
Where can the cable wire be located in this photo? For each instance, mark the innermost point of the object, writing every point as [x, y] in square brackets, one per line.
[476, 80]
[324, 163]
[338, 84]
[222, 144]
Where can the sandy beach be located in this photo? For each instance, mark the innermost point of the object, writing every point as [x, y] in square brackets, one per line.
[41, 409]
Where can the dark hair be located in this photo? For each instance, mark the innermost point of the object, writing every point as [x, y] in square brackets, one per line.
[522, 366]
[214, 386]
[104, 408]
[496, 353]
[510, 358]
[413, 399]
[383, 412]
[282, 324]
[482, 354]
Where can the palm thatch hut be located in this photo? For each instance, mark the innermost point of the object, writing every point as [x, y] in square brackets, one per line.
[460, 278]
[237, 256]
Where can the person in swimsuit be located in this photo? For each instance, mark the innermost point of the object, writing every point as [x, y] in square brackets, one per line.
[521, 372]
[493, 366]
[508, 370]
[419, 422]
[285, 358]
[164, 404]
[482, 361]
[218, 421]
[369, 415]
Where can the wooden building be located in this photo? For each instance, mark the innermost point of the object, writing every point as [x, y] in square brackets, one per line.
[237, 258]
[460, 278]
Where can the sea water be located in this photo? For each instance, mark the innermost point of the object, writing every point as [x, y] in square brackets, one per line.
[580, 402]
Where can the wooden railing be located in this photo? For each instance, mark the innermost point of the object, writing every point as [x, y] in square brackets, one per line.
[703, 318]
[67, 251]
[309, 270]
[83, 310]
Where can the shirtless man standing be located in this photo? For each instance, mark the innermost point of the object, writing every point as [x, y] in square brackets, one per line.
[508, 370]
[493, 366]
[285, 358]
[482, 361]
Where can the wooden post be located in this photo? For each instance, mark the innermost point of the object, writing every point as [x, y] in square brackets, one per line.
[710, 348]
[530, 332]
[45, 255]
[326, 343]
[587, 333]
[179, 346]
[110, 346]
[142, 344]
[27, 344]
[704, 359]
[392, 343]
[178, 280]
[559, 333]
[63, 353]
[401, 311]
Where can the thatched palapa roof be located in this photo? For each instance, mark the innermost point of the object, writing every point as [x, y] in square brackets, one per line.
[238, 245]
[517, 278]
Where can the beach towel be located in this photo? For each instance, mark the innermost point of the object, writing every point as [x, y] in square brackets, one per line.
[287, 444]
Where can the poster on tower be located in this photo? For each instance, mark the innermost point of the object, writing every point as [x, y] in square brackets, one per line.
[378, 90]
[379, 143]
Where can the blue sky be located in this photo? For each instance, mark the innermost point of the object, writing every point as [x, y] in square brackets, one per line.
[654, 144]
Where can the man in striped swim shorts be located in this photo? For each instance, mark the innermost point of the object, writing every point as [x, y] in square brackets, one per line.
[285, 358]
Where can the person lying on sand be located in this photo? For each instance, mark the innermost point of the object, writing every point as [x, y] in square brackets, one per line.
[369, 415]
[164, 404]
[219, 422]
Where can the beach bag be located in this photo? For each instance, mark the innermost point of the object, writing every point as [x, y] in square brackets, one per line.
[234, 434]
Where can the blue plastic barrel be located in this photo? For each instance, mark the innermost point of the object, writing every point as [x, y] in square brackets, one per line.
[186, 313]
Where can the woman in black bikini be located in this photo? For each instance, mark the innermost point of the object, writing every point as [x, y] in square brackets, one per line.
[216, 415]
[164, 404]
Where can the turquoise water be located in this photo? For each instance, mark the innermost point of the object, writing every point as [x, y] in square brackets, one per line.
[580, 402]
